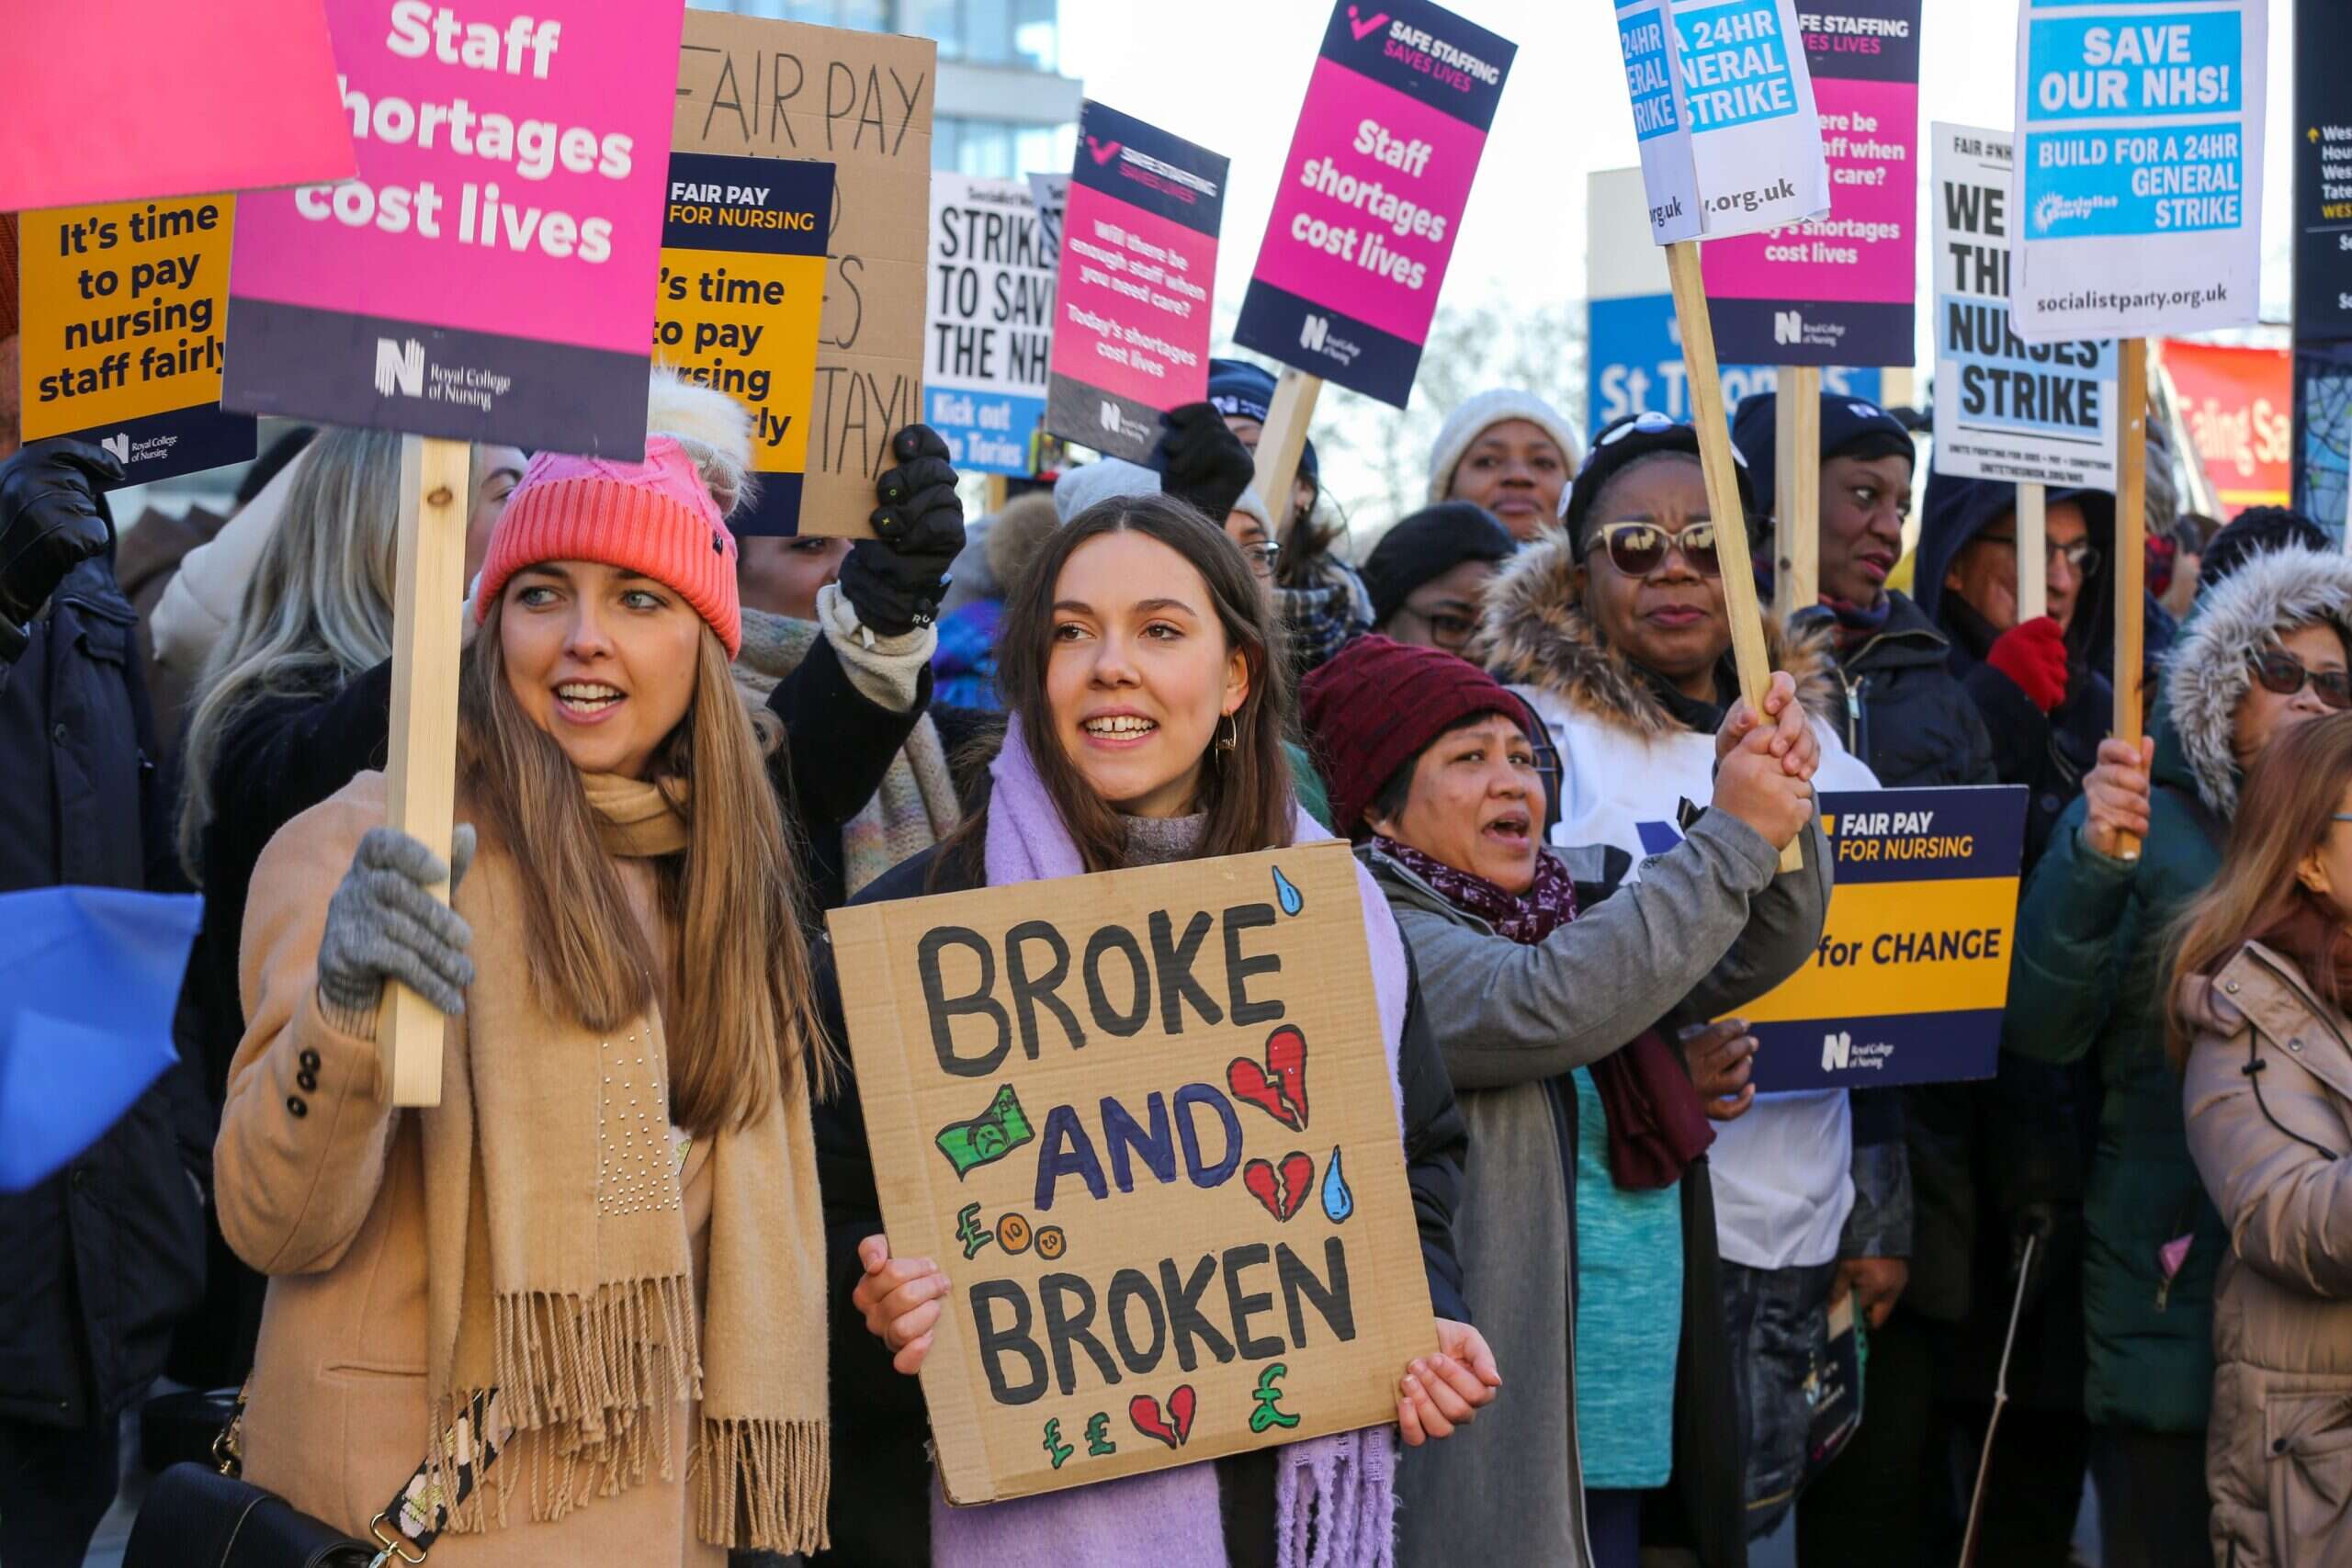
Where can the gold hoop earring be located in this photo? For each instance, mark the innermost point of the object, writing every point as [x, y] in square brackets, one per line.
[1232, 736]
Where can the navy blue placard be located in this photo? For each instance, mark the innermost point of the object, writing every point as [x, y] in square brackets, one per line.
[1145, 166]
[183, 441]
[1327, 343]
[782, 190]
[1425, 52]
[1872, 1052]
[1863, 41]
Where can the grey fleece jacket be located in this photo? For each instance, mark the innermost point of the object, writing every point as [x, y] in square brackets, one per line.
[1708, 928]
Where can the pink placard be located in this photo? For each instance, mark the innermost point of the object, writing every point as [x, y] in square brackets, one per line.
[1328, 241]
[121, 100]
[1864, 253]
[1099, 304]
[534, 212]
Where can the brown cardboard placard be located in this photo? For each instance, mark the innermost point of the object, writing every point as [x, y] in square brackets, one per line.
[862, 101]
[1090, 1099]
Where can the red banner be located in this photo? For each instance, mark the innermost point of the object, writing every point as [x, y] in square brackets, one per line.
[2238, 404]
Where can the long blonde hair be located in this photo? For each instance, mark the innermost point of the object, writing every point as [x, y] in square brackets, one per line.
[2293, 794]
[737, 1012]
[317, 611]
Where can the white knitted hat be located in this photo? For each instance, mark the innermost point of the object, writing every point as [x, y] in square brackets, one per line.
[1472, 418]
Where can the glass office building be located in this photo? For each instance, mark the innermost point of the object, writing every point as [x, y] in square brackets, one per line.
[1003, 106]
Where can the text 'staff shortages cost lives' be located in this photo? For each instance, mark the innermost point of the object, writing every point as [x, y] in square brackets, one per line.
[125, 325]
[1839, 289]
[2028, 412]
[1379, 172]
[1131, 337]
[2138, 123]
[1912, 973]
[989, 325]
[743, 286]
[490, 275]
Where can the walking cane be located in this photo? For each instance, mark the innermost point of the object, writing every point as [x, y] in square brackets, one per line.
[2000, 1398]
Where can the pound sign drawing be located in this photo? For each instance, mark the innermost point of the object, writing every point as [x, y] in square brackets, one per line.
[1098, 1434]
[1055, 1449]
[968, 1231]
[1269, 1397]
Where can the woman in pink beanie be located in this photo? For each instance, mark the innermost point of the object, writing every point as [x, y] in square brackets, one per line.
[575, 1312]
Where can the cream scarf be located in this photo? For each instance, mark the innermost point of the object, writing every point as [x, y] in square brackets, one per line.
[561, 1271]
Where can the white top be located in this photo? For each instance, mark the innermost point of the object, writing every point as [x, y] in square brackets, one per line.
[1783, 1173]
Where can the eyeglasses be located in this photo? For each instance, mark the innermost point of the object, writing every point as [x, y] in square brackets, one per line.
[1638, 549]
[2284, 675]
[1261, 556]
[1447, 630]
[2082, 553]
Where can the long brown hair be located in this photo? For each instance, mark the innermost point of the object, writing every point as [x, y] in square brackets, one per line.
[1246, 791]
[736, 1014]
[2289, 808]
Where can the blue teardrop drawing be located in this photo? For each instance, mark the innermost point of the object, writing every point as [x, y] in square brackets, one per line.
[1292, 901]
[1338, 1201]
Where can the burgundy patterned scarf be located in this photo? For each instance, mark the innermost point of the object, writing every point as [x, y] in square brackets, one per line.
[1657, 1126]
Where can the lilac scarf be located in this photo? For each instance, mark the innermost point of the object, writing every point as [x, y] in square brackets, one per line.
[1339, 1489]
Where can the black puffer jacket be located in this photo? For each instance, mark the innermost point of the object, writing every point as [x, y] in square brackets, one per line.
[1902, 711]
[103, 1258]
[881, 1509]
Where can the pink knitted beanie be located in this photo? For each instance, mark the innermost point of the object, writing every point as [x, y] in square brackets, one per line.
[654, 517]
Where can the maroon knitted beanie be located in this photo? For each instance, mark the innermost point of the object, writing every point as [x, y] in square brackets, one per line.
[1376, 703]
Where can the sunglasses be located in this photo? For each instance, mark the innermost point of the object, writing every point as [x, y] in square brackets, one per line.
[1638, 549]
[2082, 553]
[2283, 674]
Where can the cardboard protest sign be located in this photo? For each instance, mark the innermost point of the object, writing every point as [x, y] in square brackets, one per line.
[863, 101]
[1145, 1121]
[990, 322]
[490, 273]
[742, 284]
[228, 96]
[2237, 404]
[1131, 339]
[2036, 414]
[1380, 168]
[1723, 109]
[122, 329]
[1839, 289]
[1913, 970]
[1633, 360]
[2138, 122]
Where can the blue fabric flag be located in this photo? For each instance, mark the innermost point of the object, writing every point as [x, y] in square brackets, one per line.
[88, 980]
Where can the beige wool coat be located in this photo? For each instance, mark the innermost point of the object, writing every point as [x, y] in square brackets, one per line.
[2272, 1145]
[322, 1188]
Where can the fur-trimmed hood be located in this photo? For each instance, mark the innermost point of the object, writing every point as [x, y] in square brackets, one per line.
[2206, 673]
[1535, 633]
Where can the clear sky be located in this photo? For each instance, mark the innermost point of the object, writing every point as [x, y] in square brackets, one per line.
[1230, 74]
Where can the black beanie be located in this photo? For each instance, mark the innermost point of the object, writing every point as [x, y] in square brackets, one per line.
[1239, 390]
[2256, 531]
[1625, 442]
[1429, 544]
[1851, 428]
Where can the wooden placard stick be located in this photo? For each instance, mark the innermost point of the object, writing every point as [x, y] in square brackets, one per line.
[421, 778]
[1747, 650]
[2131, 551]
[1796, 500]
[2033, 552]
[1281, 441]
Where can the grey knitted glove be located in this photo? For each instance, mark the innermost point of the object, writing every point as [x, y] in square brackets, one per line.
[382, 924]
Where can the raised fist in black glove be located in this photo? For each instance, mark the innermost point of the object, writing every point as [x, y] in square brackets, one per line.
[896, 580]
[1201, 461]
[49, 523]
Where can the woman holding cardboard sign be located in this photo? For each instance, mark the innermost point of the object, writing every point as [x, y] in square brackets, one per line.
[574, 1313]
[1138, 658]
[1585, 1118]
